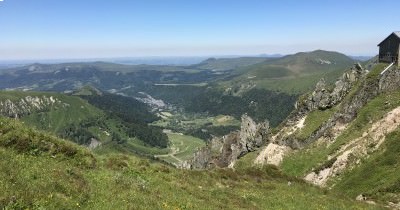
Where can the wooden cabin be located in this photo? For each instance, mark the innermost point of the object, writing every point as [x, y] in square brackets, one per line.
[389, 48]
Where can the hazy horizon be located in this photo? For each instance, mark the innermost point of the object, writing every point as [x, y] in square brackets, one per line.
[46, 30]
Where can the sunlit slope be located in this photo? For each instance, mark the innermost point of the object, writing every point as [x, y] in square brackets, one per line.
[41, 171]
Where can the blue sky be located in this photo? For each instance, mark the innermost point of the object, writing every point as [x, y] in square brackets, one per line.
[43, 29]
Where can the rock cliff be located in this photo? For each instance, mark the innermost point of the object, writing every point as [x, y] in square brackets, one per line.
[224, 151]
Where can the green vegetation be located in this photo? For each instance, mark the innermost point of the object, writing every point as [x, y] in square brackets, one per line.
[378, 176]
[126, 108]
[40, 171]
[58, 117]
[303, 161]
[198, 125]
[375, 72]
[257, 103]
[247, 161]
[313, 121]
[293, 74]
[111, 118]
[182, 148]
[185, 145]
[224, 64]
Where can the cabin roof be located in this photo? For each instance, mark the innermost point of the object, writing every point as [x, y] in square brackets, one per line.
[396, 33]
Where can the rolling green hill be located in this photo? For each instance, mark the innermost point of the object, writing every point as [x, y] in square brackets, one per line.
[296, 73]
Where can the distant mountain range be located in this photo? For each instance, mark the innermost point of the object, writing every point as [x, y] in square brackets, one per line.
[213, 83]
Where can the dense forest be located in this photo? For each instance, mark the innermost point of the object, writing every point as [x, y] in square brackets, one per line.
[133, 115]
[260, 104]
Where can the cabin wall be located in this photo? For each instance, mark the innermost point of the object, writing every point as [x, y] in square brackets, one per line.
[389, 49]
[398, 56]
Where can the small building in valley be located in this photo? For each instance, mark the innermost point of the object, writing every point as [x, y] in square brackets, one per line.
[389, 48]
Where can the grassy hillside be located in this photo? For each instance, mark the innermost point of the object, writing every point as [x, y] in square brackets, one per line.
[368, 178]
[377, 177]
[106, 118]
[303, 161]
[293, 73]
[358, 159]
[57, 118]
[40, 171]
[53, 117]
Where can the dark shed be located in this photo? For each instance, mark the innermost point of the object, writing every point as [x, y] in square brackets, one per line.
[389, 48]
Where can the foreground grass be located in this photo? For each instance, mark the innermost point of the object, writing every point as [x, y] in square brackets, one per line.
[43, 172]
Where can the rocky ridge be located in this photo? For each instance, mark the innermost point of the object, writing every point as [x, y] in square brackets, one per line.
[351, 93]
[27, 105]
[321, 98]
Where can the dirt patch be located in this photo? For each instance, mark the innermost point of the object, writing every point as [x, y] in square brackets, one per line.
[298, 126]
[272, 154]
[224, 119]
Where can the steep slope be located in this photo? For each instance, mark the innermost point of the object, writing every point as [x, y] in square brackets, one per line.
[293, 73]
[40, 171]
[344, 138]
[50, 111]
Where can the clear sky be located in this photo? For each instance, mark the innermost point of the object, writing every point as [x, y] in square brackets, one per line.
[43, 29]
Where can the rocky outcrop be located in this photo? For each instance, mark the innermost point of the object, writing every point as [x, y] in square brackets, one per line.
[251, 134]
[224, 151]
[323, 98]
[347, 105]
[94, 143]
[26, 105]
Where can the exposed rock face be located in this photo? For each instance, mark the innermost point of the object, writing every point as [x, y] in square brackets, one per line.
[322, 98]
[94, 143]
[224, 151]
[26, 106]
[252, 134]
